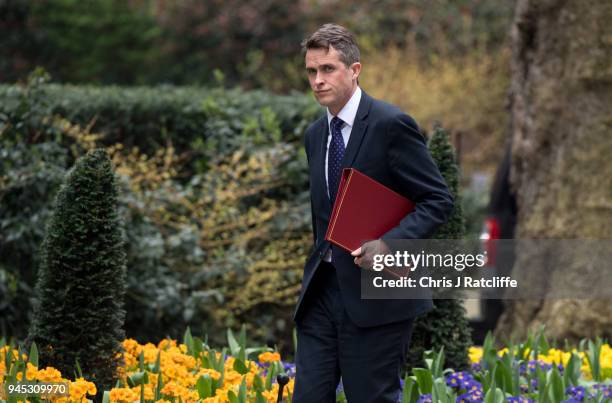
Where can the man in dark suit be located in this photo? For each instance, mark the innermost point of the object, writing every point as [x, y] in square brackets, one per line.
[364, 341]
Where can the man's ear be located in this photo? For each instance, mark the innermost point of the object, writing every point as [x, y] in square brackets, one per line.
[356, 70]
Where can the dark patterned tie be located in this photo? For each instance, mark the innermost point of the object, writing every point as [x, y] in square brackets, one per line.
[334, 159]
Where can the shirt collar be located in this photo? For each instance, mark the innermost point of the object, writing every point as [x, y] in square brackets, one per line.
[349, 111]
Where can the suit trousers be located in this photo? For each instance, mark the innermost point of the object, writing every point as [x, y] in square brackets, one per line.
[330, 346]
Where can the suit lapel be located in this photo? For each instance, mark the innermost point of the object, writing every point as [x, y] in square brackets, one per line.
[360, 126]
[323, 133]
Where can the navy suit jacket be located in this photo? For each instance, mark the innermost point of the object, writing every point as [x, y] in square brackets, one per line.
[386, 145]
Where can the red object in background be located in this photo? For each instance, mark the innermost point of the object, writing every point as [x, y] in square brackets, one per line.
[364, 210]
[489, 236]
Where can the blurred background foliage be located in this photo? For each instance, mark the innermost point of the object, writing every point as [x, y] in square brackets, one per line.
[254, 43]
[440, 60]
[203, 105]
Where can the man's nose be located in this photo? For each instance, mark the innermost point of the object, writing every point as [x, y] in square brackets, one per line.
[319, 78]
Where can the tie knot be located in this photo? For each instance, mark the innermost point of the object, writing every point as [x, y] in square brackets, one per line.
[336, 123]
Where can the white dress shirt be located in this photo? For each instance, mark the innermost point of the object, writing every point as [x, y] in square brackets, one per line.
[347, 114]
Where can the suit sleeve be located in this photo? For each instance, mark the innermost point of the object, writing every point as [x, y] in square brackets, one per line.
[416, 176]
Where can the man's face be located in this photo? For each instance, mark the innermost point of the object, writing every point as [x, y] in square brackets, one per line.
[331, 80]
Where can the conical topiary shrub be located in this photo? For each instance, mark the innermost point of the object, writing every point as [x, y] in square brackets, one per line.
[79, 312]
[446, 325]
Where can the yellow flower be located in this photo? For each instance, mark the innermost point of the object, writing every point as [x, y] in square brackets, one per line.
[148, 392]
[555, 356]
[216, 375]
[150, 353]
[526, 353]
[182, 359]
[503, 352]
[166, 343]
[232, 377]
[80, 388]
[269, 357]
[132, 347]
[49, 374]
[31, 371]
[475, 354]
[123, 395]
[130, 360]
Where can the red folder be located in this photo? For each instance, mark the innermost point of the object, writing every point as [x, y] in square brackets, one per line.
[364, 210]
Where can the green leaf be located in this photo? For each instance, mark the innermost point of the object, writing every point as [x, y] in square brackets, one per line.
[242, 337]
[240, 366]
[233, 344]
[157, 366]
[241, 354]
[188, 340]
[438, 364]
[197, 347]
[572, 371]
[543, 345]
[242, 391]
[503, 375]
[78, 369]
[160, 386]
[494, 395]
[141, 361]
[424, 380]
[556, 388]
[542, 385]
[138, 378]
[258, 384]
[593, 354]
[272, 372]
[142, 396]
[33, 356]
[232, 397]
[410, 393]
[440, 391]
[204, 386]
[106, 397]
[489, 354]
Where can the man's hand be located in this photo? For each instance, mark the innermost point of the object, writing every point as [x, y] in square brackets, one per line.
[364, 256]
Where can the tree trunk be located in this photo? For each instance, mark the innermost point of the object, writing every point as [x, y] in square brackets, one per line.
[561, 99]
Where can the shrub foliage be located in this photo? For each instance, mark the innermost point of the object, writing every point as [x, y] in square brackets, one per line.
[79, 312]
[446, 325]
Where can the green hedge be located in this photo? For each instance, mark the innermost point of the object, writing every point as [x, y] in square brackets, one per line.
[174, 278]
[149, 117]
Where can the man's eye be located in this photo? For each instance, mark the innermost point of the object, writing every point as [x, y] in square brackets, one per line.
[328, 69]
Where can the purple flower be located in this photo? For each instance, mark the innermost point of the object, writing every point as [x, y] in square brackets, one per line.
[576, 392]
[474, 396]
[425, 398]
[519, 399]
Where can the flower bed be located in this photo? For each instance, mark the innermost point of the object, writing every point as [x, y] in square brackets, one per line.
[192, 371]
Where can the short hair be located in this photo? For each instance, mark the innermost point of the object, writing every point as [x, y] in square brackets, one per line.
[336, 36]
